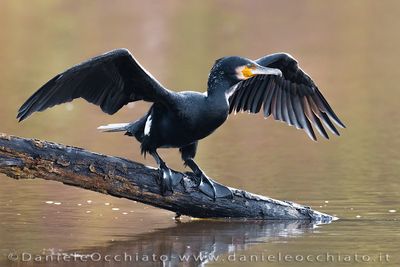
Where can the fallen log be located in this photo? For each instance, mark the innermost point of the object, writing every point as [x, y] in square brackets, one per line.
[22, 158]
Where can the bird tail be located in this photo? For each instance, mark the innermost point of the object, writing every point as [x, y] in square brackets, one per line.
[114, 127]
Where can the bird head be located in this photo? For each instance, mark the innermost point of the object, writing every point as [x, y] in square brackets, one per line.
[228, 71]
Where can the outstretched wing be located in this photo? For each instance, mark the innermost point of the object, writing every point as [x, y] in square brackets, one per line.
[110, 81]
[292, 98]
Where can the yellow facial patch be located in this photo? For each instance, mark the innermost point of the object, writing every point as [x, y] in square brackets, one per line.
[247, 72]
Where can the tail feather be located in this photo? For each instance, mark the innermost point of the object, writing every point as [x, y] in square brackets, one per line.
[114, 127]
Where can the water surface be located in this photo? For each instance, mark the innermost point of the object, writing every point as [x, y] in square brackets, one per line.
[352, 51]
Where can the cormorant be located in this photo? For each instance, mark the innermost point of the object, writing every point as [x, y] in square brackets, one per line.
[273, 84]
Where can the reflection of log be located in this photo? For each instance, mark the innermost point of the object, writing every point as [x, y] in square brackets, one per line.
[198, 242]
[27, 158]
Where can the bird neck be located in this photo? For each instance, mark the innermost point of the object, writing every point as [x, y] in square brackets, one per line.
[218, 87]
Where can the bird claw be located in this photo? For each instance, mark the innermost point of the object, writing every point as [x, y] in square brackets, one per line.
[169, 179]
[213, 189]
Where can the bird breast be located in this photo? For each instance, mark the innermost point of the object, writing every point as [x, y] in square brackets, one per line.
[194, 118]
[206, 120]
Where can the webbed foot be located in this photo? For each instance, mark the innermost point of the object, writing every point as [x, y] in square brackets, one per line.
[213, 189]
[168, 179]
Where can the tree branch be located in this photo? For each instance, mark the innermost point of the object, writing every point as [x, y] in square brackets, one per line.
[22, 158]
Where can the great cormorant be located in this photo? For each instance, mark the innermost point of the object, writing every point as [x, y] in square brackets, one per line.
[274, 84]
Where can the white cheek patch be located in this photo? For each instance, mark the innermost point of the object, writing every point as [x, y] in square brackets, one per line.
[147, 126]
[239, 73]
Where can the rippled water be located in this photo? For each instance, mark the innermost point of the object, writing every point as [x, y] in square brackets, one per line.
[351, 50]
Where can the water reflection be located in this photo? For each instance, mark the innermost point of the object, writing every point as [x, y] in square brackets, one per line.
[184, 242]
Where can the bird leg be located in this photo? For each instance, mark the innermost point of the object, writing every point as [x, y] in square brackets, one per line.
[206, 185]
[168, 178]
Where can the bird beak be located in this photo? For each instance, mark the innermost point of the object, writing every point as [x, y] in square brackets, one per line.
[248, 72]
[260, 70]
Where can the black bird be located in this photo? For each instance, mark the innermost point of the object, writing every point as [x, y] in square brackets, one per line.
[274, 84]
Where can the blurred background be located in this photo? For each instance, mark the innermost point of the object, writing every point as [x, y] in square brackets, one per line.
[350, 48]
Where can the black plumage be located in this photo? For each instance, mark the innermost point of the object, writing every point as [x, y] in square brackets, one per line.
[292, 98]
[273, 84]
[110, 81]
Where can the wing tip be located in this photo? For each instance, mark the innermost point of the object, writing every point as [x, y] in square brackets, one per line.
[336, 119]
[342, 125]
[325, 135]
[23, 112]
[312, 136]
[20, 116]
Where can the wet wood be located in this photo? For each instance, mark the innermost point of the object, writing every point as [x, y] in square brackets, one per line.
[22, 158]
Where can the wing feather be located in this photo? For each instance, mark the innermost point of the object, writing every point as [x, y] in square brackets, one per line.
[110, 81]
[293, 98]
[278, 100]
[292, 115]
[284, 106]
[260, 94]
[273, 105]
[270, 93]
[312, 118]
[252, 95]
